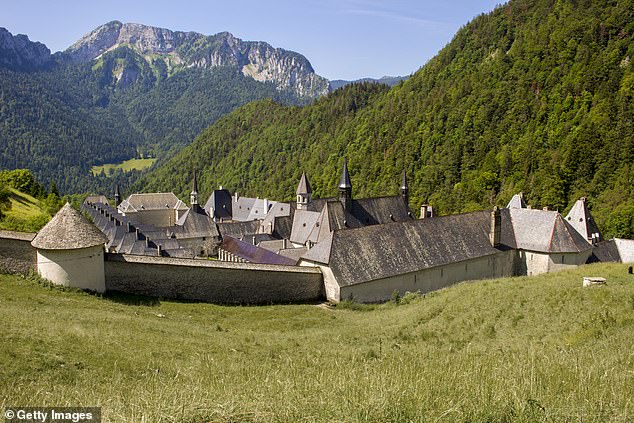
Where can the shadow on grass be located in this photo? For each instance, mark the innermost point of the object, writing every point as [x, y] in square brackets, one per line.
[131, 299]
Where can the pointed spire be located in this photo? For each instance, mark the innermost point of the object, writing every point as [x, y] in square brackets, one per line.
[345, 188]
[304, 185]
[117, 196]
[345, 177]
[304, 192]
[405, 188]
[193, 196]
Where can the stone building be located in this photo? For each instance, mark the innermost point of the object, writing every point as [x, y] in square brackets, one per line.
[158, 209]
[70, 251]
[368, 263]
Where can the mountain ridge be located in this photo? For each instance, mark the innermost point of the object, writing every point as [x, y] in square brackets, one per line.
[179, 50]
[17, 52]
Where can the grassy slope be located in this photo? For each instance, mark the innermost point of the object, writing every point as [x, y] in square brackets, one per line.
[25, 213]
[126, 166]
[540, 348]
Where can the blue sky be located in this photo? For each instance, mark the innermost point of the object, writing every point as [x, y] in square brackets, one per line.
[343, 39]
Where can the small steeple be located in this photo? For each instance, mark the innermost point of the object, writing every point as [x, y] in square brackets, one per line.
[405, 188]
[193, 196]
[345, 188]
[117, 196]
[304, 192]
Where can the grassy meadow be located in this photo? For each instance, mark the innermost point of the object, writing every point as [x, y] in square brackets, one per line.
[519, 349]
[126, 166]
[24, 214]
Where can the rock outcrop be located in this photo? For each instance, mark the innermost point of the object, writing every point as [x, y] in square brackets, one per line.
[19, 53]
[179, 50]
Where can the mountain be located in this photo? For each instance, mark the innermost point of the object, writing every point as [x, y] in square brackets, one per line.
[126, 90]
[171, 51]
[19, 53]
[536, 96]
[387, 80]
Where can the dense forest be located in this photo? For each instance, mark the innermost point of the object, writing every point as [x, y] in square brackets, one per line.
[536, 96]
[61, 119]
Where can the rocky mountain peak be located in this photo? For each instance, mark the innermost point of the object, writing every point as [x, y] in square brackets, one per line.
[19, 53]
[259, 60]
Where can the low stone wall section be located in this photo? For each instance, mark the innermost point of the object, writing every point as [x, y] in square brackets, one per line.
[212, 281]
[16, 253]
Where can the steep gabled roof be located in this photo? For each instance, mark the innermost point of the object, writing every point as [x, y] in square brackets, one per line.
[580, 218]
[195, 223]
[381, 251]
[238, 229]
[517, 202]
[303, 224]
[152, 201]
[94, 199]
[68, 230]
[545, 231]
[320, 253]
[379, 210]
[219, 204]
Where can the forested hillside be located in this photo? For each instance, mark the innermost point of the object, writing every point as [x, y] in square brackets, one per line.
[60, 115]
[536, 96]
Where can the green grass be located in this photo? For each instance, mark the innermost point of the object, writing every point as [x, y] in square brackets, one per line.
[126, 166]
[519, 349]
[25, 213]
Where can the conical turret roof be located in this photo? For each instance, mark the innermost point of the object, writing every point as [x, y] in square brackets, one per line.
[68, 230]
[304, 185]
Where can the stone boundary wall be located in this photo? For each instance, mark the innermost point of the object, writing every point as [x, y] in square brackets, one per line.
[16, 253]
[626, 249]
[212, 281]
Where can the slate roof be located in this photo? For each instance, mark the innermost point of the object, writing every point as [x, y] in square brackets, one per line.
[379, 210]
[580, 218]
[304, 185]
[152, 201]
[67, 230]
[195, 223]
[320, 253]
[254, 254]
[304, 222]
[97, 199]
[381, 251]
[219, 204]
[238, 229]
[517, 202]
[545, 231]
[245, 209]
[605, 251]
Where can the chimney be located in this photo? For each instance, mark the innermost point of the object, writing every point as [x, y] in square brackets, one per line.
[496, 227]
[138, 234]
[284, 244]
[130, 227]
[147, 242]
[253, 240]
[159, 251]
[423, 211]
[235, 196]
